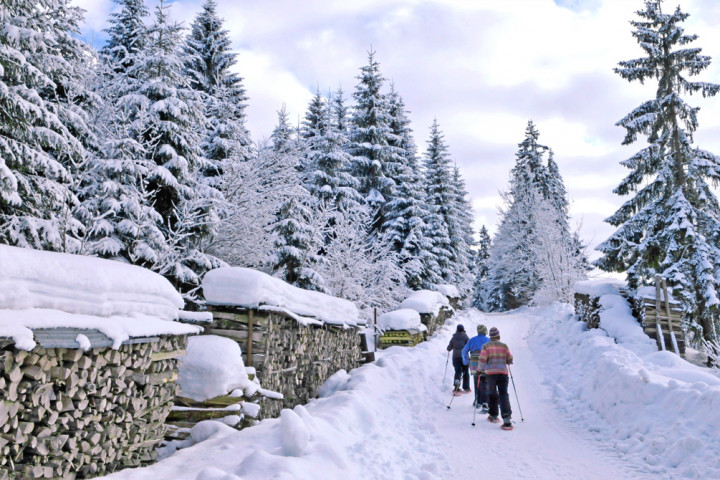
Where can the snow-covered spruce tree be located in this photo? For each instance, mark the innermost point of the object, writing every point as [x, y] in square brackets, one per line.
[405, 212]
[461, 235]
[167, 115]
[127, 35]
[369, 142]
[440, 196]
[115, 207]
[297, 230]
[671, 225]
[513, 276]
[480, 269]
[208, 63]
[43, 123]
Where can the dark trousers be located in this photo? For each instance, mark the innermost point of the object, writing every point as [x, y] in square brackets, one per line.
[462, 372]
[481, 394]
[497, 387]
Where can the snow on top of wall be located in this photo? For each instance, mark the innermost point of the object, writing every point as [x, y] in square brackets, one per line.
[426, 301]
[250, 288]
[41, 289]
[402, 319]
[449, 291]
[213, 366]
[600, 287]
[649, 292]
[82, 284]
[19, 324]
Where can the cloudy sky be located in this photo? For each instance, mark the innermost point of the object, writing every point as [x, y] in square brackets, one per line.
[483, 68]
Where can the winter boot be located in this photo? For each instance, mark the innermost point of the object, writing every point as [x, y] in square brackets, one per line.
[484, 408]
[492, 419]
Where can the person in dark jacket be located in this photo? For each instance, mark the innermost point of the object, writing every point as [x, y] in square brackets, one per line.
[471, 354]
[457, 342]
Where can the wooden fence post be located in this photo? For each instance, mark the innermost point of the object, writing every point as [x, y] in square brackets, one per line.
[667, 312]
[660, 336]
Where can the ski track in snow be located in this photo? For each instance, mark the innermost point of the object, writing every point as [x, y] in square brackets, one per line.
[543, 446]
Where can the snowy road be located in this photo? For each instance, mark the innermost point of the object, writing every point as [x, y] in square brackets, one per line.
[544, 446]
[388, 420]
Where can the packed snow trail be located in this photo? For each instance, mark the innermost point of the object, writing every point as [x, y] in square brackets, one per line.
[544, 446]
[389, 420]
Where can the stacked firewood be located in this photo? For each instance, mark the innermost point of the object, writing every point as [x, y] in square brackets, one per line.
[433, 322]
[66, 413]
[587, 309]
[289, 356]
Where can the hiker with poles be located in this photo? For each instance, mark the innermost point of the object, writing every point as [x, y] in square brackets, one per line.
[494, 359]
[457, 342]
[470, 355]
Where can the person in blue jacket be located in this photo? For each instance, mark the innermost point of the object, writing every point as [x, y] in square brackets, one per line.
[470, 352]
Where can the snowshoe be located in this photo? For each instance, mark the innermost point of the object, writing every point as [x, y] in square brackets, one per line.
[506, 426]
[492, 419]
[457, 393]
[467, 391]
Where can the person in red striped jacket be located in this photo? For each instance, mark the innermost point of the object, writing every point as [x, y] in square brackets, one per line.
[494, 358]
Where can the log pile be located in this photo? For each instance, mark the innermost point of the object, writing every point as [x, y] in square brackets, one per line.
[289, 357]
[403, 338]
[68, 414]
[587, 309]
[664, 312]
[433, 322]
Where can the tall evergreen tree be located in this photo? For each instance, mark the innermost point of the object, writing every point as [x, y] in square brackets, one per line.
[406, 211]
[440, 196]
[481, 269]
[369, 132]
[460, 230]
[297, 229]
[208, 63]
[43, 123]
[127, 35]
[671, 225]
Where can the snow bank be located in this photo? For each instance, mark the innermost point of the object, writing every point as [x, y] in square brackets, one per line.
[449, 291]
[654, 407]
[249, 288]
[426, 301]
[600, 287]
[402, 319]
[81, 284]
[213, 366]
[50, 290]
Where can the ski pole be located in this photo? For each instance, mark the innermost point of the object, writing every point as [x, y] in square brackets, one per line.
[455, 388]
[516, 395]
[451, 400]
[475, 403]
[446, 365]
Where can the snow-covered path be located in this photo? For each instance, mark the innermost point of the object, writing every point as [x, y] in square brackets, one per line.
[544, 446]
[389, 420]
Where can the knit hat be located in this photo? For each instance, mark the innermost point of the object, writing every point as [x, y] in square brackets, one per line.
[482, 330]
[460, 328]
[494, 333]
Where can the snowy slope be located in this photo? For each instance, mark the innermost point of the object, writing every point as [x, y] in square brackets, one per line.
[593, 409]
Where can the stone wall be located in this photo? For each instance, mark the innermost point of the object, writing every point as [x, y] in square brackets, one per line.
[66, 413]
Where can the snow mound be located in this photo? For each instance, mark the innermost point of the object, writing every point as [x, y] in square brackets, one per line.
[402, 319]
[81, 284]
[426, 301]
[449, 291]
[599, 287]
[250, 288]
[51, 290]
[213, 366]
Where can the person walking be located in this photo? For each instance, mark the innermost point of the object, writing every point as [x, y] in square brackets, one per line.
[470, 355]
[457, 342]
[494, 359]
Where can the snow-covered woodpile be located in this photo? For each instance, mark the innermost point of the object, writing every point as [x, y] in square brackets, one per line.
[88, 362]
[658, 311]
[647, 305]
[214, 385]
[402, 327]
[71, 413]
[452, 294]
[434, 308]
[293, 338]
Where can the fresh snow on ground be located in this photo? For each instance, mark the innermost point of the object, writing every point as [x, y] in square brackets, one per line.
[592, 407]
